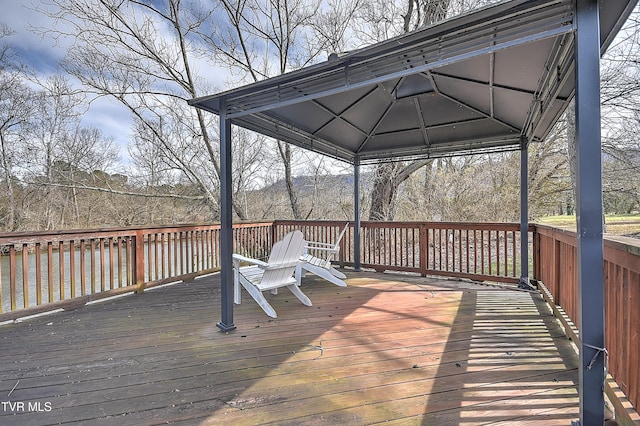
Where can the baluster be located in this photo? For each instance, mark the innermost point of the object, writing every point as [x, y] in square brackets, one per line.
[25, 276]
[83, 273]
[112, 261]
[72, 268]
[38, 255]
[12, 277]
[50, 270]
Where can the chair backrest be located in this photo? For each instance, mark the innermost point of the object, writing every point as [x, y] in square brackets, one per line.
[284, 252]
[337, 244]
[332, 254]
[287, 249]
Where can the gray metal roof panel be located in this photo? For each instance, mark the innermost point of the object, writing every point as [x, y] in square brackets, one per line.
[475, 83]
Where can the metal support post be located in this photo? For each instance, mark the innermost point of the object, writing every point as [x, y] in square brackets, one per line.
[356, 219]
[226, 223]
[524, 216]
[589, 214]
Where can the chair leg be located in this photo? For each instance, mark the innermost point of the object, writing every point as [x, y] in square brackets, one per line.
[237, 298]
[259, 298]
[324, 273]
[337, 273]
[299, 294]
[299, 274]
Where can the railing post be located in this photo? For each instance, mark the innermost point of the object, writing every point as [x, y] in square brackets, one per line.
[138, 261]
[423, 248]
[12, 278]
[25, 277]
[343, 247]
[38, 291]
[274, 229]
[557, 276]
[536, 253]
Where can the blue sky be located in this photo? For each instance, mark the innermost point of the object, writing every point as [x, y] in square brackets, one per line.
[42, 56]
[39, 53]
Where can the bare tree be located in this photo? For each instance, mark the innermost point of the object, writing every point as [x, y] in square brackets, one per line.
[620, 95]
[141, 54]
[620, 91]
[57, 112]
[389, 176]
[621, 168]
[16, 104]
[262, 38]
[56, 151]
[83, 150]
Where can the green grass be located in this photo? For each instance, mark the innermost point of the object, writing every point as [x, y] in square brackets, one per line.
[620, 224]
[561, 221]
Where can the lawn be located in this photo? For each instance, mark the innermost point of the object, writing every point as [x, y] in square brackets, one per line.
[621, 224]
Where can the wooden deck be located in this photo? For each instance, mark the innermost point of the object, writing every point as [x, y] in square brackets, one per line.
[388, 348]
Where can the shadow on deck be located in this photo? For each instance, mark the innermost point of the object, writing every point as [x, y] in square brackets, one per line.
[388, 348]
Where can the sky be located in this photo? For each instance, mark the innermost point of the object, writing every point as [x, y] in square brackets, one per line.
[43, 54]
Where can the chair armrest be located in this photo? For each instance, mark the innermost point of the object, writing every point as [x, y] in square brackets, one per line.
[315, 244]
[237, 258]
[296, 262]
[331, 250]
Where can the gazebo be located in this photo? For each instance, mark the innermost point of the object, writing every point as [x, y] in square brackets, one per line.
[493, 80]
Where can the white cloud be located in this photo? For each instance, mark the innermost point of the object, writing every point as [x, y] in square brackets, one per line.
[113, 120]
[37, 51]
[42, 55]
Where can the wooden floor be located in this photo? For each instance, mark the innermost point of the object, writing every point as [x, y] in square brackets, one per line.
[388, 348]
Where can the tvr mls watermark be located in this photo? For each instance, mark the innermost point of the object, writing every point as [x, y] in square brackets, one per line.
[26, 406]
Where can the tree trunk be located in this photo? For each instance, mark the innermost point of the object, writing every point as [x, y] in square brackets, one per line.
[571, 154]
[12, 216]
[285, 153]
[386, 181]
[383, 194]
[389, 176]
[572, 149]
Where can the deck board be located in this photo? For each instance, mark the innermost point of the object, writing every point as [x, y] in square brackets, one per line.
[388, 348]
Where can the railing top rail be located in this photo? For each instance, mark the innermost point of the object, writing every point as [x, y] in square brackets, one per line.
[71, 232]
[412, 224]
[30, 237]
[311, 222]
[628, 244]
[251, 224]
[56, 236]
[550, 228]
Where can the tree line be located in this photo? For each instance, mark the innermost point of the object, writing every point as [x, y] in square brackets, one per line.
[151, 57]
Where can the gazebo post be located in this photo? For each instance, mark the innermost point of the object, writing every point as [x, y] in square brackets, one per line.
[589, 214]
[524, 215]
[226, 223]
[356, 213]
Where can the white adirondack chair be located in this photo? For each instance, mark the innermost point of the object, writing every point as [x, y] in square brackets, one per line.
[321, 265]
[277, 272]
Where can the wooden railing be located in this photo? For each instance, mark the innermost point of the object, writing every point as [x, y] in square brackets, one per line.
[480, 251]
[555, 265]
[44, 271]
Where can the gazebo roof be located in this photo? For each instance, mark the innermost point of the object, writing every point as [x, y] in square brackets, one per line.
[481, 82]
